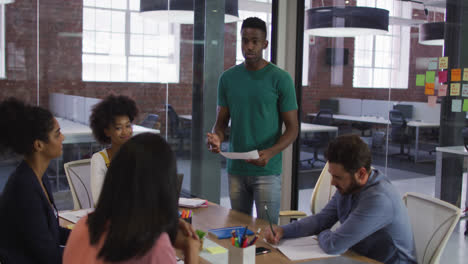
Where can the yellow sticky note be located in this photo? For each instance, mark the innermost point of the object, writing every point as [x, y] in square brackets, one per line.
[216, 250]
[465, 74]
[454, 89]
[456, 75]
[429, 90]
[70, 226]
[443, 63]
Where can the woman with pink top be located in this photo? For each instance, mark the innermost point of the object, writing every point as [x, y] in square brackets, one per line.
[136, 218]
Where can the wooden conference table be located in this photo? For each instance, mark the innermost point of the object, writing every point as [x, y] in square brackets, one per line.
[215, 216]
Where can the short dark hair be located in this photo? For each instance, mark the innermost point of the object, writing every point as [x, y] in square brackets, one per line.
[22, 124]
[138, 200]
[104, 113]
[254, 22]
[349, 151]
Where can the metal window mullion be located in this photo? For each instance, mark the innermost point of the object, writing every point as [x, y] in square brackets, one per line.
[127, 39]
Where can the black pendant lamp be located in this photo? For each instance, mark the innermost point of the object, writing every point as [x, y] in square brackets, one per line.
[347, 21]
[181, 11]
[432, 33]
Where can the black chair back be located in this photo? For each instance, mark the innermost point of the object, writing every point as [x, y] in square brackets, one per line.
[323, 117]
[399, 125]
[150, 121]
[173, 120]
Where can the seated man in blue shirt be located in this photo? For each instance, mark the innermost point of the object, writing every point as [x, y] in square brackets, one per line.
[374, 221]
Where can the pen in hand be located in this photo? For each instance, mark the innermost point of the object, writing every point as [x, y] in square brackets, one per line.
[269, 221]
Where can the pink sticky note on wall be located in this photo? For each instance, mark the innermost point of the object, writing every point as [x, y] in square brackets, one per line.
[442, 76]
[432, 101]
[443, 90]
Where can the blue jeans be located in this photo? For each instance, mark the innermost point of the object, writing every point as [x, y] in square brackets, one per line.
[264, 190]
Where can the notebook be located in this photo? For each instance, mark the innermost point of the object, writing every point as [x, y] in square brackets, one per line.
[225, 232]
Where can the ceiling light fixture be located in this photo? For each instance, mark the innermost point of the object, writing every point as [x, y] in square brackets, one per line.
[432, 33]
[347, 21]
[181, 11]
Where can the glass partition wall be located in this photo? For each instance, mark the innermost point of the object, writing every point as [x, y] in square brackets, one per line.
[68, 55]
[403, 97]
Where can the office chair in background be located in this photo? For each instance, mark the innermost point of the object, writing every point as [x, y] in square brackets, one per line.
[320, 139]
[400, 132]
[178, 129]
[151, 121]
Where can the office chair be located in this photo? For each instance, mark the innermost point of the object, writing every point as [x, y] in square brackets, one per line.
[178, 129]
[320, 139]
[151, 121]
[400, 133]
[78, 174]
[432, 222]
[321, 195]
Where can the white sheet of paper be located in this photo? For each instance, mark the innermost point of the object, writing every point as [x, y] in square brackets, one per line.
[191, 203]
[301, 248]
[75, 216]
[241, 155]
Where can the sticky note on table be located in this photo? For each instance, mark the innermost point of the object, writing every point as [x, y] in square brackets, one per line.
[465, 90]
[442, 76]
[216, 250]
[430, 76]
[432, 100]
[456, 105]
[455, 75]
[70, 226]
[454, 89]
[443, 63]
[465, 105]
[420, 79]
[465, 74]
[433, 64]
[429, 90]
[442, 90]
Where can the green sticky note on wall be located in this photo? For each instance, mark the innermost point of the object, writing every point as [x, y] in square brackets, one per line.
[420, 78]
[465, 105]
[430, 76]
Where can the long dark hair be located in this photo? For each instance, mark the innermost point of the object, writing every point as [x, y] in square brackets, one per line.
[138, 200]
[22, 124]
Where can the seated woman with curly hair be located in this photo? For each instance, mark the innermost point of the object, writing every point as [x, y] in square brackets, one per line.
[111, 123]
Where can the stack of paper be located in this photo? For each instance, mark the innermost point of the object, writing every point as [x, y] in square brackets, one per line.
[75, 216]
[191, 203]
[301, 248]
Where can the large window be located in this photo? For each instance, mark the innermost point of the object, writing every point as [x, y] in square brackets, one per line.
[382, 61]
[120, 45]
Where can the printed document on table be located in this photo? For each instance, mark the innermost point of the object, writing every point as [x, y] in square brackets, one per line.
[241, 155]
[75, 216]
[191, 203]
[301, 248]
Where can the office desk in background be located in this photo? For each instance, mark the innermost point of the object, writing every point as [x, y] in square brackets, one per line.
[215, 216]
[305, 127]
[383, 121]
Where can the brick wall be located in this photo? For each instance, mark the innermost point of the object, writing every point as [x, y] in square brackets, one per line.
[60, 63]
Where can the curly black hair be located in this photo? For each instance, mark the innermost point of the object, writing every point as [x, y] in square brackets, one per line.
[104, 113]
[22, 124]
[254, 22]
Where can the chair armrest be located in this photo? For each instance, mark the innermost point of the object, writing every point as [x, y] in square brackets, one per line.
[285, 217]
[292, 213]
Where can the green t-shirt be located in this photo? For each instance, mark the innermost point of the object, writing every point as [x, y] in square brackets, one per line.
[255, 100]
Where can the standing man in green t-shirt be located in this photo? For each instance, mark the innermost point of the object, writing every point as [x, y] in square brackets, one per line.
[258, 97]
